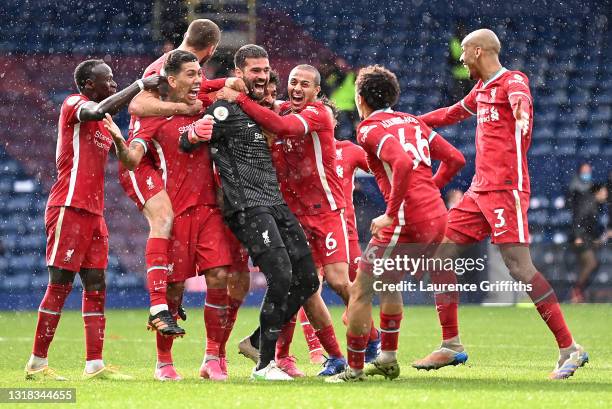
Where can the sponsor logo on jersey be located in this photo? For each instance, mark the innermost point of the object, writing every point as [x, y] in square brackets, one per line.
[340, 171]
[258, 137]
[186, 128]
[364, 132]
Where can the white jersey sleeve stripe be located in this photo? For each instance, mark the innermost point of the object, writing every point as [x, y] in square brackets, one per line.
[466, 108]
[298, 116]
[381, 143]
[431, 136]
[321, 170]
[520, 93]
[142, 142]
[76, 144]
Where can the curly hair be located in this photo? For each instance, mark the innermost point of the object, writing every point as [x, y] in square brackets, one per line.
[378, 86]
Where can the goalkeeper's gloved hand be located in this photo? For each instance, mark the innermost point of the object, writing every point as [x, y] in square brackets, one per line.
[202, 130]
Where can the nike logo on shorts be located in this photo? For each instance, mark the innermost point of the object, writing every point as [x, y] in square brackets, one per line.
[499, 233]
[329, 253]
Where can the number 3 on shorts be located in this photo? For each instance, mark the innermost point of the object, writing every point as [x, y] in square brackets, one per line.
[500, 218]
[330, 242]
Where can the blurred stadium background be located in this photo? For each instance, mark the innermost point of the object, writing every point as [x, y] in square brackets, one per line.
[563, 48]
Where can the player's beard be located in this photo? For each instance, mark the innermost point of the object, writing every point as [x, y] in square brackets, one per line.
[252, 92]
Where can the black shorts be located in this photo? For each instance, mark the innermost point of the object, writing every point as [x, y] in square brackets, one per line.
[264, 228]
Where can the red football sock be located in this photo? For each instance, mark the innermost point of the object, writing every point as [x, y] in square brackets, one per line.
[215, 318]
[327, 336]
[356, 346]
[164, 344]
[545, 300]
[49, 314]
[233, 306]
[309, 332]
[373, 332]
[156, 258]
[95, 322]
[447, 304]
[389, 331]
[284, 339]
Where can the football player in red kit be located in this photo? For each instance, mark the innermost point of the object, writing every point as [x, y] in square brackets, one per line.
[77, 238]
[497, 201]
[145, 184]
[198, 244]
[399, 150]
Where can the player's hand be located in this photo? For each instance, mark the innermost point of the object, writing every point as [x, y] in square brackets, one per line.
[112, 128]
[193, 109]
[155, 82]
[236, 84]
[380, 223]
[522, 117]
[202, 130]
[270, 137]
[227, 94]
[578, 241]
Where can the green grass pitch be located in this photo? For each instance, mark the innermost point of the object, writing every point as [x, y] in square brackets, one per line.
[511, 353]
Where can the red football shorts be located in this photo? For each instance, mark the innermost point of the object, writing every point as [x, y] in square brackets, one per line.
[501, 214]
[142, 183]
[327, 236]
[354, 258]
[199, 242]
[416, 240]
[76, 239]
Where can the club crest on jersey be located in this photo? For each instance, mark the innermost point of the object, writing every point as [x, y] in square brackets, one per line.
[68, 255]
[150, 184]
[266, 238]
[493, 93]
[221, 113]
[170, 268]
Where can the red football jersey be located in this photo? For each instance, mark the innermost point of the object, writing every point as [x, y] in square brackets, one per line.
[80, 157]
[311, 160]
[349, 158]
[188, 177]
[422, 200]
[501, 147]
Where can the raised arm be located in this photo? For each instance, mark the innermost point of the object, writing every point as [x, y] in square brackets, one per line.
[148, 104]
[130, 156]
[452, 160]
[92, 111]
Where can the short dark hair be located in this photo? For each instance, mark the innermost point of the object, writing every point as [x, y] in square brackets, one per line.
[83, 72]
[176, 59]
[307, 67]
[274, 77]
[201, 34]
[248, 51]
[331, 104]
[378, 86]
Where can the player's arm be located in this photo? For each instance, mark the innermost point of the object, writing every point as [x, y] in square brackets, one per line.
[519, 97]
[129, 156]
[234, 83]
[92, 111]
[392, 152]
[452, 160]
[452, 114]
[266, 118]
[361, 160]
[148, 104]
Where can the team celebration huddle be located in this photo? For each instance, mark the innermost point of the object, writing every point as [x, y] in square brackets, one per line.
[223, 171]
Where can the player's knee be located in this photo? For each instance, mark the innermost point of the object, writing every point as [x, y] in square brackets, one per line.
[216, 277]
[60, 276]
[174, 291]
